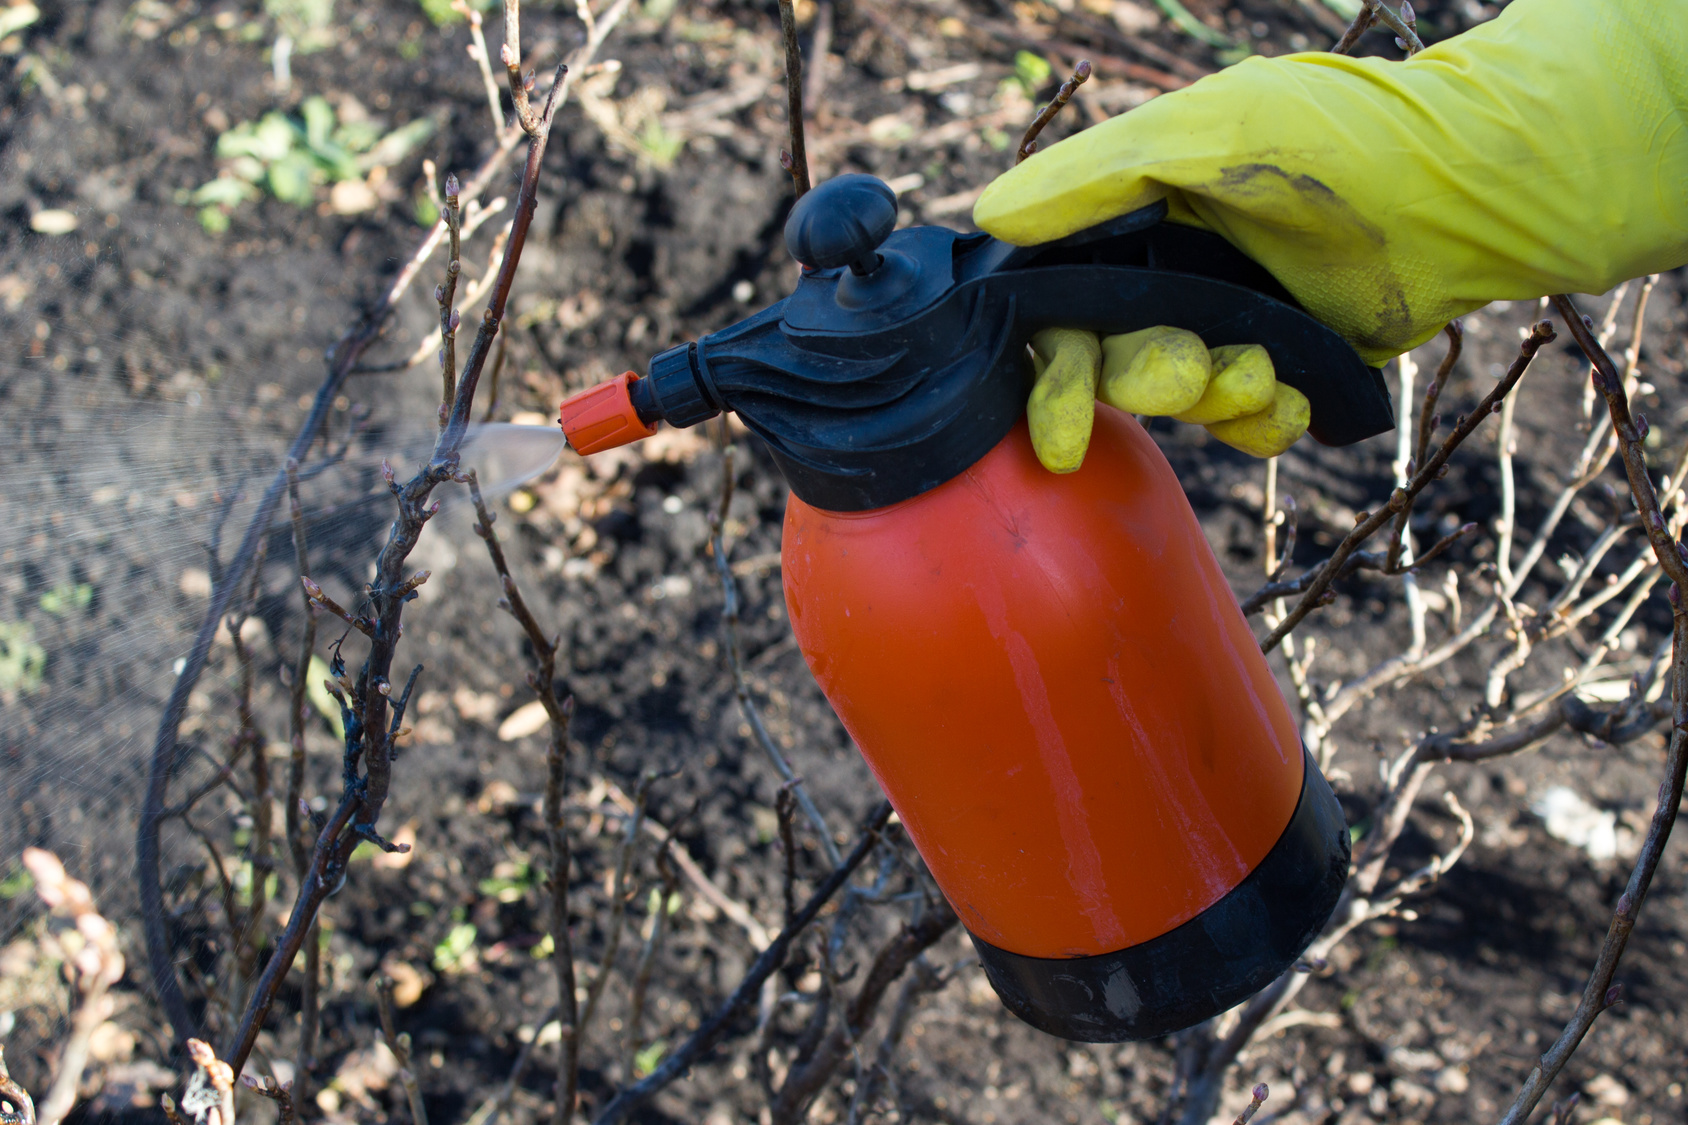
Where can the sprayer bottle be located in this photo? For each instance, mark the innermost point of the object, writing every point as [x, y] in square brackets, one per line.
[1048, 675]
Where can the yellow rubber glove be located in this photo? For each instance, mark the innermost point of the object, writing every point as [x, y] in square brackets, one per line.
[1063, 401]
[1545, 151]
[1231, 390]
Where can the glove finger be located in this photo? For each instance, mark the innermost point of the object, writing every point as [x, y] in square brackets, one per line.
[1242, 384]
[1156, 371]
[1268, 432]
[1063, 400]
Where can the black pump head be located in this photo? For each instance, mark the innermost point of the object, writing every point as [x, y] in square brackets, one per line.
[842, 225]
[900, 360]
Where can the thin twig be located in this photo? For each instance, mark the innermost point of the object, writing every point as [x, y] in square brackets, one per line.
[23, 1107]
[1599, 993]
[399, 1044]
[785, 807]
[478, 51]
[735, 658]
[218, 1075]
[797, 161]
[510, 54]
[923, 978]
[805, 1080]
[1367, 524]
[281, 1093]
[1363, 22]
[295, 812]
[619, 893]
[342, 360]
[559, 713]
[667, 900]
[1028, 143]
[368, 738]
[93, 970]
[720, 1022]
[445, 295]
[1427, 422]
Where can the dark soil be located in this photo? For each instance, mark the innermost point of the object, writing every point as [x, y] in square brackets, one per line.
[154, 372]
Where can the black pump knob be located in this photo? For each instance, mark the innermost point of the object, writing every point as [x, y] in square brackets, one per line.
[841, 222]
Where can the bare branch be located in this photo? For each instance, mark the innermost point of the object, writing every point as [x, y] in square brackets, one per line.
[1599, 993]
[797, 161]
[93, 965]
[806, 1079]
[559, 713]
[1028, 143]
[23, 1107]
[735, 659]
[1367, 524]
[281, 1093]
[716, 1027]
[399, 1044]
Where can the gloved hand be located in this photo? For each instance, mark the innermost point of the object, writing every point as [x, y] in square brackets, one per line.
[1158, 371]
[1545, 151]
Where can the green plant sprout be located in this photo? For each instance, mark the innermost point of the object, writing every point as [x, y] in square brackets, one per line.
[451, 953]
[649, 1056]
[1032, 71]
[22, 661]
[293, 158]
[510, 887]
[15, 884]
[441, 14]
[65, 597]
[307, 24]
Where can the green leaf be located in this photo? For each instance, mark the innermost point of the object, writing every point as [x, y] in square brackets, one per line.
[335, 163]
[17, 883]
[397, 145]
[319, 120]
[442, 14]
[661, 146]
[511, 888]
[248, 168]
[64, 597]
[427, 213]
[356, 136]
[1032, 71]
[459, 940]
[215, 220]
[224, 191]
[321, 698]
[267, 140]
[1347, 9]
[649, 1057]
[300, 17]
[17, 18]
[22, 661]
[547, 946]
[292, 179]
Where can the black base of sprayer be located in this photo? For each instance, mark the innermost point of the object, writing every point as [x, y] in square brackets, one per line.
[1211, 963]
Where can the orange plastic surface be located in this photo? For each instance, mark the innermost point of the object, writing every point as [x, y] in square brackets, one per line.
[602, 417]
[1053, 683]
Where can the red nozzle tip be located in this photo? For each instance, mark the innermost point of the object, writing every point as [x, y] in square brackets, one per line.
[602, 417]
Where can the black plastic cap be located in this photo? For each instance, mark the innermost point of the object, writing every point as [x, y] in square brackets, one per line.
[682, 396]
[841, 223]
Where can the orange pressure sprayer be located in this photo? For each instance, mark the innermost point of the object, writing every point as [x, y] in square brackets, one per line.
[1048, 674]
